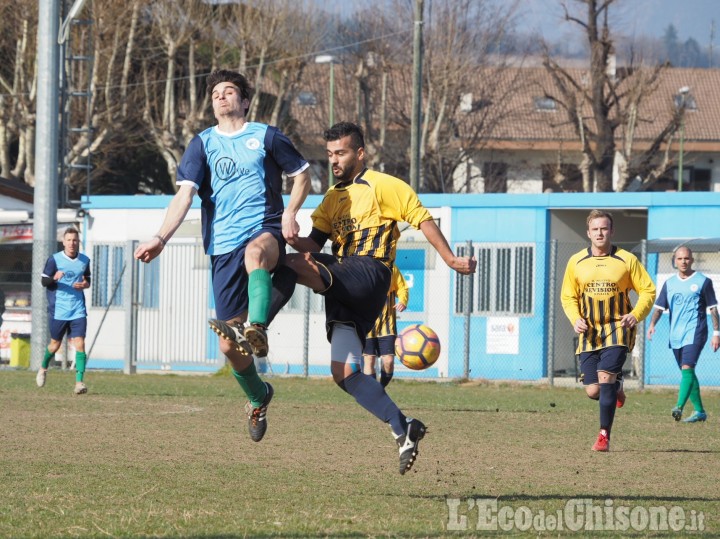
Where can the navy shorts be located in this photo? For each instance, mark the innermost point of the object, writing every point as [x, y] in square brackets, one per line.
[380, 346]
[687, 355]
[73, 328]
[356, 291]
[230, 279]
[609, 359]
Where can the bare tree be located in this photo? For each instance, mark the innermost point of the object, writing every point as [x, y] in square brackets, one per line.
[604, 106]
[18, 83]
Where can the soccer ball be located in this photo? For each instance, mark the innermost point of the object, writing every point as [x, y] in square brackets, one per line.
[417, 346]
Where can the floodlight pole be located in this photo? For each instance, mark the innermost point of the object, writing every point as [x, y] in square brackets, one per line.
[46, 169]
[329, 59]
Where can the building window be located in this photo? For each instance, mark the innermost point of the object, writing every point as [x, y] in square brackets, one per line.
[306, 99]
[149, 284]
[503, 284]
[495, 176]
[545, 104]
[107, 273]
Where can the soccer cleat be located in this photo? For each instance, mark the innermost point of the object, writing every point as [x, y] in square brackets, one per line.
[80, 388]
[696, 417]
[257, 422]
[676, 413]
[41, 376]
[602, 443]
[256, 336]
[231, 333]
[408, 444]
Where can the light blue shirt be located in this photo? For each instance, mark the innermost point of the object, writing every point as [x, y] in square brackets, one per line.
[238, 177]
[688, 301]
[64, 301]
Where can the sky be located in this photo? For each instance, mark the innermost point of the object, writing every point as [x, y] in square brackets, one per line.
[691, 18]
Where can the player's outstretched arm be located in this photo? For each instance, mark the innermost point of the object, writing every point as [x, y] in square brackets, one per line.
[461, 264]
[176, 212]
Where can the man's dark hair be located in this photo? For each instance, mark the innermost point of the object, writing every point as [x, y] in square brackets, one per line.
[233, 77]
[71, 230]
[344, 129]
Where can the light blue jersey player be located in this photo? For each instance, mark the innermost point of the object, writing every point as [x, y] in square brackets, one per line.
[687, 296]
[236, 168]
[66, 275]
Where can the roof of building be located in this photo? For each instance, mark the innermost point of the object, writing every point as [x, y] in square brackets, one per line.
[512, 102]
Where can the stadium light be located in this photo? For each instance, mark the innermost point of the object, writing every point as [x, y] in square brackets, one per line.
[329, 59]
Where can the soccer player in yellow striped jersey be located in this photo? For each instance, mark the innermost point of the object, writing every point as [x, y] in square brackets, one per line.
[359, 214]
[381, 338]
[595, 297]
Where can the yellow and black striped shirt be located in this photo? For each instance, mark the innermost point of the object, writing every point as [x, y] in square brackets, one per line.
[386, 323]
[361, 216]
[597, 289]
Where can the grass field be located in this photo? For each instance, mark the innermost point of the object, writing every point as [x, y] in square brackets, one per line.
[169, 456]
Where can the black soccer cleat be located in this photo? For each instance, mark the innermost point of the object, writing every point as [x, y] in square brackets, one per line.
[231, 333]
[408, 444]
[256, 336]
[257, 422]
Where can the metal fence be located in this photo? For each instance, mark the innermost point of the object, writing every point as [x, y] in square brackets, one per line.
[504, 322]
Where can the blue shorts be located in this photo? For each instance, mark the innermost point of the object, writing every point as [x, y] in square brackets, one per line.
[380, 346]
[687, 355]
[74, 328]
[356, 292]
[230, 279]
[609, 360]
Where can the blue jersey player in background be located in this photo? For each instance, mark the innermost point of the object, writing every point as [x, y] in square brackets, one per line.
[236, 169]
[688, 296]
[66, 275]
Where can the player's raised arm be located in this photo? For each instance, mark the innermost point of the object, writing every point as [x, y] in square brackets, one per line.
[176, 212]
[462, 264]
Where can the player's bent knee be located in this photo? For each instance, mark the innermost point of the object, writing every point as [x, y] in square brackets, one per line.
[593, 392]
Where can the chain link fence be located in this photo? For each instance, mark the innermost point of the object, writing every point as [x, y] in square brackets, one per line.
[504, 322]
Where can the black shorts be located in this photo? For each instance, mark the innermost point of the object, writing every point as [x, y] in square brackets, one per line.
[380, 346]
[609, 360]
[355, 293]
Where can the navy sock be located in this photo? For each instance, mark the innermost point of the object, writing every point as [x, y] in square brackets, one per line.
[385, 378]
[608, 401]
[371, 395]
[283, 286]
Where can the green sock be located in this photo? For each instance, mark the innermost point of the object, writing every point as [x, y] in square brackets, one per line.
[48, 357]
[695, 394]
[259, 292]
[80, 361]
[252, 385]
[685, 386]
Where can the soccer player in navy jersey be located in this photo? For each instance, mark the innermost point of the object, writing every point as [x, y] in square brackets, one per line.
[359, 215]
[595, 296]
[65, 276]
[688, 296]
[236, 169]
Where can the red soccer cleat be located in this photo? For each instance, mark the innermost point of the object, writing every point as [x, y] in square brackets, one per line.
[602, 443]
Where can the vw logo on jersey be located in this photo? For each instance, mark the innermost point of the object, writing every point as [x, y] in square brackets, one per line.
[69, 276]
[224, 168]
[693, 288]
[252, 144]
